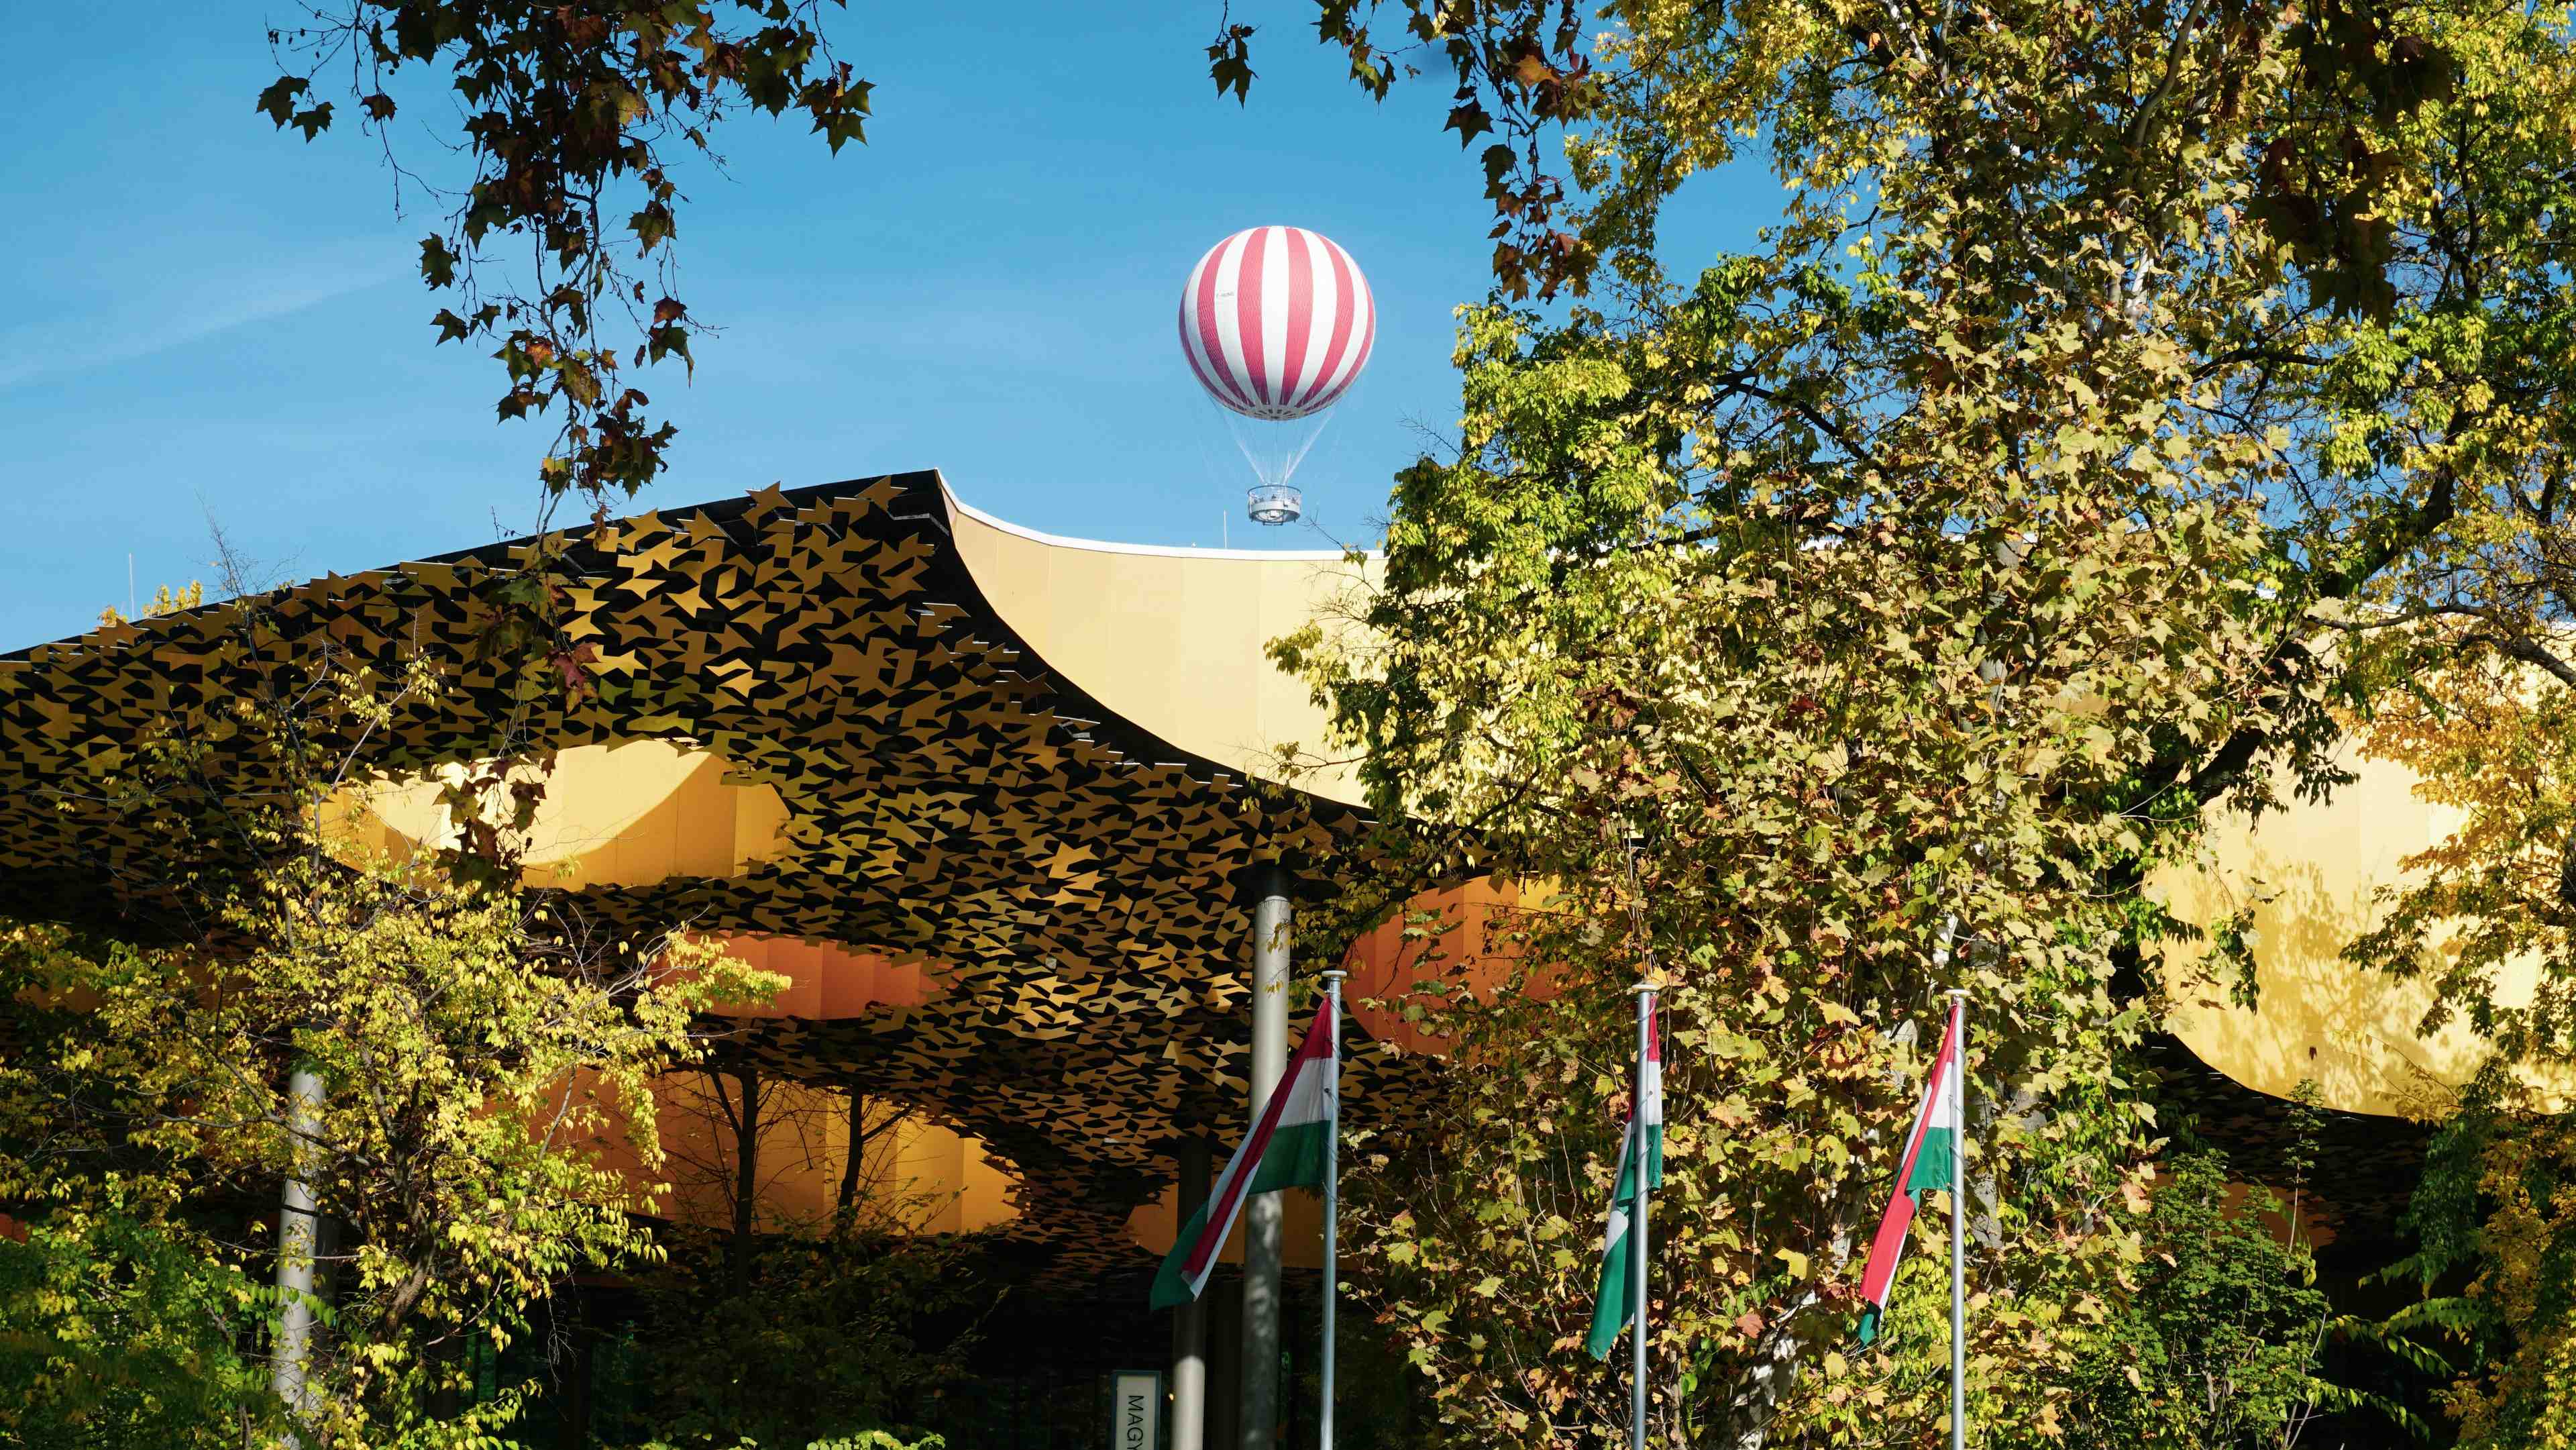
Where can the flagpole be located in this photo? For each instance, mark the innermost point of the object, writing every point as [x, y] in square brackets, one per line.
[1332, 1205]
[1637, 1223]
[1959, 1225]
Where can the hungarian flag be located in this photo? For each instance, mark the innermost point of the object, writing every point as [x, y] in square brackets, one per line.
[1286, 1149]
[1610, 1308]
[1931, 1158]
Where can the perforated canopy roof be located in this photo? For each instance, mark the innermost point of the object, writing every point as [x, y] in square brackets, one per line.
[1063, 874]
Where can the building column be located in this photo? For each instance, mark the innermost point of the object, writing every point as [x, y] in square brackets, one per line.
[1266, 888]
[298, 1240]
[1189, 1321]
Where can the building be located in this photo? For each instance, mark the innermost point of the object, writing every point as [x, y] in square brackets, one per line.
[992, 801]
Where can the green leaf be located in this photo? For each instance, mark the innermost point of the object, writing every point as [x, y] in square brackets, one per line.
[277, 102]
[1469, 120]
[438, 268]
[1230, 62]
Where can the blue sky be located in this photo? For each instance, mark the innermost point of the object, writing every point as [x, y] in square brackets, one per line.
[212, 320]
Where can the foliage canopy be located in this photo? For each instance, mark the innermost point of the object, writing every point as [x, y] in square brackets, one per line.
[2110, 382]
[574, 118]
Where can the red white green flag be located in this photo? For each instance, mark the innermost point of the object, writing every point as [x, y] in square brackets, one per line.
[1930, 1161]
[1611, 1310]
[1286, 1149]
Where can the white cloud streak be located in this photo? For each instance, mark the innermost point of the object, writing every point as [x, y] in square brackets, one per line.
[131, 330]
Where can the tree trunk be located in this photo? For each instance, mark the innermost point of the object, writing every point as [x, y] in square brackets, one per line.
[1745, 1423]
[848, 1202]
[746, 1180]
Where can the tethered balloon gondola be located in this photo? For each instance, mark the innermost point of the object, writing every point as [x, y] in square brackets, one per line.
[1277, 323]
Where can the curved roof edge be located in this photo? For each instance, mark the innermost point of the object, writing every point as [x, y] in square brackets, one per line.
[1174, 642]
[1106, 546]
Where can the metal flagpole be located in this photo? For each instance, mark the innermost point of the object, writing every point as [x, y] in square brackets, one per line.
[1639, 1195]
[1332, 1202]
[1959, 1225]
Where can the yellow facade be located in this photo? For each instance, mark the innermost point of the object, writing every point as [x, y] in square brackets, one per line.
[921, 1175]
[1171, 640]
[2310, 874]
[917, 1174]
[628, 814]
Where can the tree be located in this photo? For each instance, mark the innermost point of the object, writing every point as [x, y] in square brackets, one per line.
[1814, 825]
[1909, 585]
[2495, 740]
[573, 118]
[2218, 1344]
[165, 600]
[479, 1041]
[772, 1127]
[127, 1327]
[866, 1298]
[2494, 1216]
[871, 1318]
[481, 1049]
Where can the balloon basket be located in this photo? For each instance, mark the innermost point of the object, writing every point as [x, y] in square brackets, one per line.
[1274, 504]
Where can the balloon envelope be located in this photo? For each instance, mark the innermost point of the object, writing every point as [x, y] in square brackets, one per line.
[1277, 322]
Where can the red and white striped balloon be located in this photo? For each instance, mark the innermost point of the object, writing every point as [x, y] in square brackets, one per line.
[1277, 322]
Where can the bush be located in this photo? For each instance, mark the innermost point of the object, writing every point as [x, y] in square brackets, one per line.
[117, 1333]
[869, 1320]
[2218, 1347]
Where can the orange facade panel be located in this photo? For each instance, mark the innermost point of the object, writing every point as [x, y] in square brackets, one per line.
[1457, 938]
[827, 980]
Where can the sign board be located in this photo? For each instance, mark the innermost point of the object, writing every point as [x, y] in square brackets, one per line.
[1136, 1410]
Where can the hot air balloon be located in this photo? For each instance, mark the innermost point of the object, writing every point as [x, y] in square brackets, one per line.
[1277, 323]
